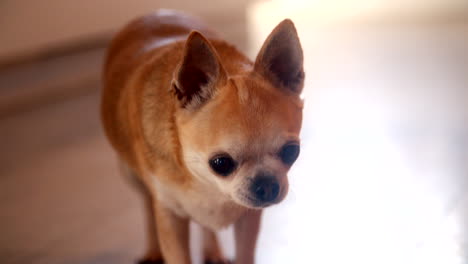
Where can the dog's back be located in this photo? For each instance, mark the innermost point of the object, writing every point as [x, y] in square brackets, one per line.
[149, 32]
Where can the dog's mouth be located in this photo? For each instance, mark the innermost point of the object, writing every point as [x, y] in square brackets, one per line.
[251, 202]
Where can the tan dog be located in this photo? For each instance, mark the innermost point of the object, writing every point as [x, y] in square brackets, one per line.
[209, 134]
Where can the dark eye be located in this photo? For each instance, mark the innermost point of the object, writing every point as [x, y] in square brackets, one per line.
[289, 153]
[223, 164]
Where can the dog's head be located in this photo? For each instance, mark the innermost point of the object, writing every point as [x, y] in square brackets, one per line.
[241, 133]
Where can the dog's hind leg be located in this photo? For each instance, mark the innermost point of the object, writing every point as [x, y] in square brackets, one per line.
[153, 253]
[212, 252]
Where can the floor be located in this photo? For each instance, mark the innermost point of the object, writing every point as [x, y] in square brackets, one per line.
[382, 176]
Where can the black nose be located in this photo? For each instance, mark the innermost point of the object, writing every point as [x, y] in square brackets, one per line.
[265, 188]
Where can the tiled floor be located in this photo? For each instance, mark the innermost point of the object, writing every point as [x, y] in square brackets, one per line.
[382, 176]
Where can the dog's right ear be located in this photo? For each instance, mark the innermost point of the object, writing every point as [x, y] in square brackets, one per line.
[199, 74]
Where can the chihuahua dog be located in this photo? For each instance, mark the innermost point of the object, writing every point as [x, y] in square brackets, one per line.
[208, 134]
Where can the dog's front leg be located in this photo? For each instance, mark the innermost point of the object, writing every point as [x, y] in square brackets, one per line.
[246, 232]
[173, 233]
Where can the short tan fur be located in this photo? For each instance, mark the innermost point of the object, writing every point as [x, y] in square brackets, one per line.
[208, 134]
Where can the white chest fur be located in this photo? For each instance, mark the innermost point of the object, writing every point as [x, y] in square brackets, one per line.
[204, 205]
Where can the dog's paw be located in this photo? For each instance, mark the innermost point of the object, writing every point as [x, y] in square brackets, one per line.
[151, 261]
[208, 261]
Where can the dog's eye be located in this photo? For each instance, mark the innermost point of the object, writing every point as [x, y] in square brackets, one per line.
[223, 164]
[289, 153]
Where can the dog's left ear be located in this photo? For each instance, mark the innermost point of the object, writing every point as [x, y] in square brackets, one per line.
[281, 58]
[199, 73]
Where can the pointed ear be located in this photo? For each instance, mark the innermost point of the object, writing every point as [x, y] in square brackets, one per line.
[199, 73]
[281, 59]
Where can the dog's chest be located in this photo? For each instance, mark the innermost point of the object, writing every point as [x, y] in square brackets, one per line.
[201, 204]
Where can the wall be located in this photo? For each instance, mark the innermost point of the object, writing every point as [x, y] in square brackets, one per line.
[28, 27]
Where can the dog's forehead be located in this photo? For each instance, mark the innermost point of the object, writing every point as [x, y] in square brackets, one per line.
[257, 117]
[262, 104]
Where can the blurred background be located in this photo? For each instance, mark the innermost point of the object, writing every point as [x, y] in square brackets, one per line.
[383, 174]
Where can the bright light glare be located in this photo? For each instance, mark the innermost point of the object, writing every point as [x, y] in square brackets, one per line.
[356, 194]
